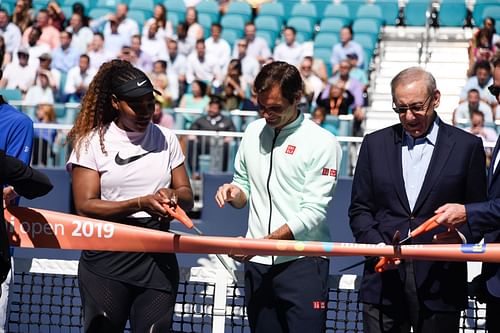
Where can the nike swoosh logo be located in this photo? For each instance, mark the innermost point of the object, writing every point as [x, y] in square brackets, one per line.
[141, 83]
[124, 161]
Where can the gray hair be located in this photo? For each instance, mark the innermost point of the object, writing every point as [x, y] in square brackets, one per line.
[413, 74]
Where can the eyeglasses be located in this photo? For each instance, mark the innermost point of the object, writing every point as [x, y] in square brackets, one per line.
[414, 108]
[494, 90]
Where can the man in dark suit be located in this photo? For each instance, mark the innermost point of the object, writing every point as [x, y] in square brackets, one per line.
[404, 172]
[484, 218]
[25, 181]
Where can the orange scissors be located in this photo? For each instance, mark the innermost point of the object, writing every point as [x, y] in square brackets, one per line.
[427, 226]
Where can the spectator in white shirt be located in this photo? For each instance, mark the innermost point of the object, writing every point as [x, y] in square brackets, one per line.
[257, 46]
[97, 53]
[78, 80]
[203, 67]
[486, 134]
[18, 74]
[473, 103]
[41, 92]
[345, 47]
[165, 28]
[114, 41]
[250, 67]
[290, 51]
[195, 30]
[82, 36]
[218, 47]
[34, 47]
[143, 60]
[53, 74]
[160, 69]
[313, 85]
[185, 45]
[176, 67]
[10, 33]
[153, 45]
[127, 27]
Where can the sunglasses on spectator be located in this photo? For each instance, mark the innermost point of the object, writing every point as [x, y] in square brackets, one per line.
[494, 90]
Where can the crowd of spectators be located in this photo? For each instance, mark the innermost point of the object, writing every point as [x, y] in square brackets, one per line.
[51, 58]
[478, 108]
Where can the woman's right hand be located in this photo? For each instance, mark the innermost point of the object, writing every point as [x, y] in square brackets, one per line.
[152, 204]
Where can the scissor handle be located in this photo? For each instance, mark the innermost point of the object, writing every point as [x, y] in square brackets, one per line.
[426, 226]
[179, 214]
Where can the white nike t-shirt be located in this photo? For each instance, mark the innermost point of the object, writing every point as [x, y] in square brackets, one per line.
[136, 163]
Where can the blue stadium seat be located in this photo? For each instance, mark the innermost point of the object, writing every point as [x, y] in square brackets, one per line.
[233, 21]
[176, 6]
[390, 10]
[210, 8]
[111, 4]
[370, 11]
[322, 53]
[307, 10]
[11, 94]
[9, 7]
[492, 11]
[332, 24]
[276, 9]
[240, 8]
[268, 23]
[366, 25]
[97, 12]
[231, 35]
[140, 16]
[268, 36]
[303, 26]
[353, 5]
[452, 13]
[67, 10]
[415, 12]
[479, 6]
[175, 18]
[146, 5]
[85, 3]
[205, 20]
[321, 6]
[338, 11]
[326, 40]
[367, 41]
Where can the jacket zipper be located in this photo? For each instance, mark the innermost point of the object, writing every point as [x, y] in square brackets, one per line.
[276, 133]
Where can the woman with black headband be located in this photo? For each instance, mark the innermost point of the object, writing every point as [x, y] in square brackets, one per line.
[124, 169]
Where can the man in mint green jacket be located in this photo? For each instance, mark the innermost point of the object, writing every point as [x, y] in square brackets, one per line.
[286, 168]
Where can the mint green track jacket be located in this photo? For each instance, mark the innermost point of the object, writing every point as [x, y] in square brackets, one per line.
[288, 176]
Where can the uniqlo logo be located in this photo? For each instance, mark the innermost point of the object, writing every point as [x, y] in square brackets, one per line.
[319, 305]
[290, 149]
[333, 172]
[325, 171]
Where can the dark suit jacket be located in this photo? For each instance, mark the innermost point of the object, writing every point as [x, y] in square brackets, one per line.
[484, 218]
[26, 182]
[379, 207]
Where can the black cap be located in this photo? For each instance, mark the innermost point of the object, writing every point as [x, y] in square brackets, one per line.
[134, 88]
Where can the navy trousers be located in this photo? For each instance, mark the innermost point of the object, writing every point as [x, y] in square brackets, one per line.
[288, 297]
